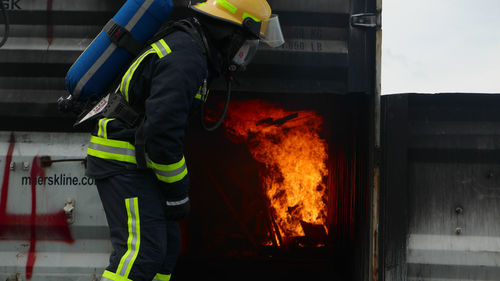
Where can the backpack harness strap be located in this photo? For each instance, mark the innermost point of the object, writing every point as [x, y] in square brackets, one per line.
[122, 37]
[118, 106]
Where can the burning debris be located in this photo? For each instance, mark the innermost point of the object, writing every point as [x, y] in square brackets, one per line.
[295, 156]
[278, 122]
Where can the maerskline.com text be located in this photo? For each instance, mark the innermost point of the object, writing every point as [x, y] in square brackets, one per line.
[58, 180]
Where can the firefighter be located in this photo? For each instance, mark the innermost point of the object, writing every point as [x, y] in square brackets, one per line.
[138, 163]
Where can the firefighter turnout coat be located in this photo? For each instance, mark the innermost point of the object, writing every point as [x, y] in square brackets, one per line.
[163, 85]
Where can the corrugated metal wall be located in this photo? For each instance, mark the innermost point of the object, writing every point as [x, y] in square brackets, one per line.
[36, 240]
[442, 187]
[322, 53]
[45, 39]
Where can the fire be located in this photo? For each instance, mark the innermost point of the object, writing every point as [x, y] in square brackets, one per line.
[295, 156]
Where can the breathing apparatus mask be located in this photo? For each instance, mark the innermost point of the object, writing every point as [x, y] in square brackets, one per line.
[244, 55]
[252, 22]
[271, 36]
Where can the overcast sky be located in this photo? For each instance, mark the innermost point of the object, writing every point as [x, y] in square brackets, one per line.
[436, 46]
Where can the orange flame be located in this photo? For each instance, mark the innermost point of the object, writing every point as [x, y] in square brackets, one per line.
[289, 145]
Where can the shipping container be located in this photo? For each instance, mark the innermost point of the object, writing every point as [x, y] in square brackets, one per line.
[312, 107]
[439, 197]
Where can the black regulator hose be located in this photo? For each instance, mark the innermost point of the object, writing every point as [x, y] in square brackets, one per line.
[7, 25]
[226, 106]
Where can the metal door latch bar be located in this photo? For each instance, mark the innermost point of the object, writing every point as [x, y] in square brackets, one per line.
[366, 21]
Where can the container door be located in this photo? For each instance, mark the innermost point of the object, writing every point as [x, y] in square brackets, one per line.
[441, 187]
[51, 222]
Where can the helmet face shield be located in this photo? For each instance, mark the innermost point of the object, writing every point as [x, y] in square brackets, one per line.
[240, 12]
[271, 32]
[245, 54]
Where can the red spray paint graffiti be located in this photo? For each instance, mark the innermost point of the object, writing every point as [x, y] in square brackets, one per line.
[50, 23]
[32, 227]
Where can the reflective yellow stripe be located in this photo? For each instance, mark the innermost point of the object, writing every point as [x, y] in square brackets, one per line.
[138, 232]
[247, 15]
[103, 130]
[162, 277]
[165, 46]
[110, 142]
[125, 152]
[169, 173]
[124, 86]
[108, 275]
[111, 156]
[169, 167]
[172, 179]
[228, 6]
[111, 149]
[100, 133]
[157, 51]
[161, 49]
[134, 237]
[105, 127]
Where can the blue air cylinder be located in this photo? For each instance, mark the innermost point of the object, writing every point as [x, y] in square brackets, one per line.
[104, 59]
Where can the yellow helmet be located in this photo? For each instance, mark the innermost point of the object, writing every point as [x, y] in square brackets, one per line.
[241, 11]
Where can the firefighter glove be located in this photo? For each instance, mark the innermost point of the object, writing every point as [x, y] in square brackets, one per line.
[177, 210]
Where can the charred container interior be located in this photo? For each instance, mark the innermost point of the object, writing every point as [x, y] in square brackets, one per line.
[280, 190]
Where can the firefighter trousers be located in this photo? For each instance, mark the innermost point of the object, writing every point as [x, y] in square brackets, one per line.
[145, 244]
